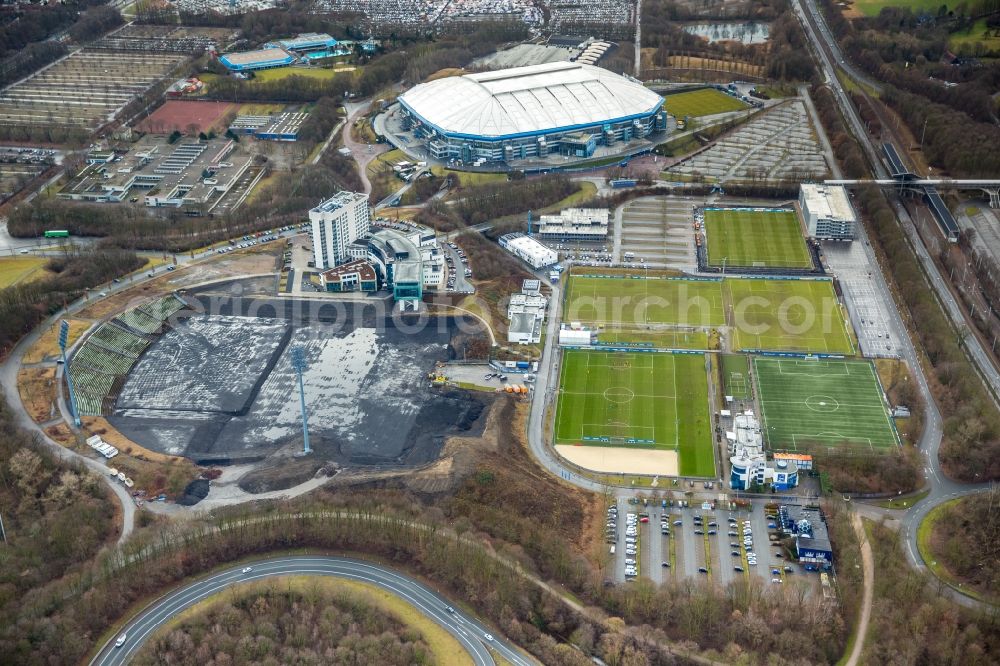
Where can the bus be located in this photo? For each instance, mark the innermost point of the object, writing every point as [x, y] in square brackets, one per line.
[57, 234]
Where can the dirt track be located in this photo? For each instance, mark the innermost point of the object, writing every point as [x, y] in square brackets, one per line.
[619, 460]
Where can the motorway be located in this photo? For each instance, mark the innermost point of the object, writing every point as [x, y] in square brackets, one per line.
[941, 488]
[467, 630]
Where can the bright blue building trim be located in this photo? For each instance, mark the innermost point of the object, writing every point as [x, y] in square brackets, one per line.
[598, 125]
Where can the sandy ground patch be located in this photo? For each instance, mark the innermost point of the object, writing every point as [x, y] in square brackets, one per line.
[620, 460]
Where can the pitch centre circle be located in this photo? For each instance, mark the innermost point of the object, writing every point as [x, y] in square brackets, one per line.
[619, 394]
[822, 403]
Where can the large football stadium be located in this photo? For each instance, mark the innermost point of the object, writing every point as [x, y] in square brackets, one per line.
[561, 108]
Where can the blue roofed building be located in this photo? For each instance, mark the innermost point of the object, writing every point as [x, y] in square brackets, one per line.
[265, 58]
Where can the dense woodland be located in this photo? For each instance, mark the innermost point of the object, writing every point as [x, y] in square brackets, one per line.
[949, 104]
[970, 449]
[24, 306]
[966, 539]
[278, 623]
[913, 623]
[505, 501]
[55, 516]
[785, 56]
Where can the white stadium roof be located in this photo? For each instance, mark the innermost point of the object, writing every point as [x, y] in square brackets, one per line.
[528, 100]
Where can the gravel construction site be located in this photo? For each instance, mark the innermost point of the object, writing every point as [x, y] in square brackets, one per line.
[220, 388]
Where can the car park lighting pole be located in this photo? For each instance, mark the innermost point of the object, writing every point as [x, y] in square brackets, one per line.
[63, 339]
[299, 363]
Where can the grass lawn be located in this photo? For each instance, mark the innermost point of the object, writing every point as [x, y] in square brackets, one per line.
[469, 178]
[640, 303]
[978, 32]
[279, 73]
[736, 375]
[20, 269]
[586, 192]
[637, 400]
[671, 338]
[822, 403]
[787, 315]
[752, 237]
[704, 102]
[873, 7]
[260, 109]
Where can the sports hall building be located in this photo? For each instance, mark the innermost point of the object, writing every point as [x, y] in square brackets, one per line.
[561, 108]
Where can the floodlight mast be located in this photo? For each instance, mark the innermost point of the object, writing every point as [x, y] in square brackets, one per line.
[299, 363]
[63, 340]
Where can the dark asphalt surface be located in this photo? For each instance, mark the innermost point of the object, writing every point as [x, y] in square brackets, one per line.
[469, 631]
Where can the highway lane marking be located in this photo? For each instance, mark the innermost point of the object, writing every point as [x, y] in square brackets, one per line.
[171, 603]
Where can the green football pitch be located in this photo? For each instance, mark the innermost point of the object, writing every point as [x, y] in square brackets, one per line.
[787, 315]
[771, 315]
[822, 404]
[704, 102]
[758, 238]
[638, 400]
[736, 375]
[640, 303]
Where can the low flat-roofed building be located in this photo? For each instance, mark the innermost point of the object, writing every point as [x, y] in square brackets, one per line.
[803, 461]
[524, 329]
[528, 250]
[828, 212]
[589, 224]
[189, 174]
[812, 540]
[266, 58]
[307, 41]
[576, 336]
[357, 275]
[526, 312]
[276, 127]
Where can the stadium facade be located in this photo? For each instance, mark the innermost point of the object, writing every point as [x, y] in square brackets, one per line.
[561, 108]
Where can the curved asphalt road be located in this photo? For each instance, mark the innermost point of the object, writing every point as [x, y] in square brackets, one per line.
[469, 632]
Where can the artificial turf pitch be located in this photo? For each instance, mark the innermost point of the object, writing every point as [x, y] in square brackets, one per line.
[637, 400]
[822, 404]
[704, 102]
[755, 238]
